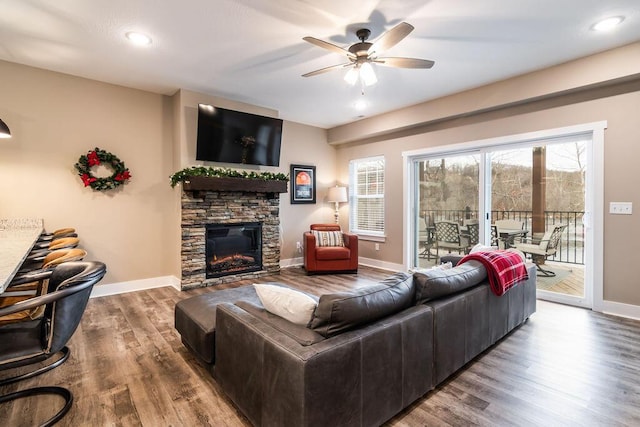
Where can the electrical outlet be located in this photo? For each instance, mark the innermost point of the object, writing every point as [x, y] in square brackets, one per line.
[377, 246]
[299, 247]
[621, 208]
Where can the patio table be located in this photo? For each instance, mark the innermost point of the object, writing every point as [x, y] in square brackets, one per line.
[508, 236]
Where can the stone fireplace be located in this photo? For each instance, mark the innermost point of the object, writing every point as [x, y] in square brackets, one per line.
[232, 218]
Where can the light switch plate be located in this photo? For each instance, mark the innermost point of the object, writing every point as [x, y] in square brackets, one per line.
[621, 208]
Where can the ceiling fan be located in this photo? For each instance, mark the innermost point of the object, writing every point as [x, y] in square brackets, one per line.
[362, 54]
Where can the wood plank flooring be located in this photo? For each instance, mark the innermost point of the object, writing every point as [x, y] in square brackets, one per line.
[128, 367]
[571, 282]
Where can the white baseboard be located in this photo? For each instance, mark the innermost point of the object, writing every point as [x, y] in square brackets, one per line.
[383, 265]
[291, 262]
[135, 285]
[369, 262]
[621, 309]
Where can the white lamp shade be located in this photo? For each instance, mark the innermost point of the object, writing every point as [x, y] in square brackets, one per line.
[352, 76]
[367, 74]
[337, 194]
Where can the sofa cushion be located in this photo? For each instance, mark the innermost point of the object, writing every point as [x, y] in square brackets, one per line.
[303, 335]
[434, 284]
[328, 238]
[292, 305]
[342, 311]
[330, 253]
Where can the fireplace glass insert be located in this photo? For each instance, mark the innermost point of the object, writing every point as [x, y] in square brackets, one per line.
[233, 248]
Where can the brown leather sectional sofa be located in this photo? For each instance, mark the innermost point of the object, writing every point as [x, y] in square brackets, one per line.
[366, 355]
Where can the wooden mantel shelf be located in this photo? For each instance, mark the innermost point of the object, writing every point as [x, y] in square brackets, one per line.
[205, 183]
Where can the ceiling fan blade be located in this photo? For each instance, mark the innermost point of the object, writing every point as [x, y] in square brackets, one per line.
[329, 46]
[390, 38]
[404, 62]
[326, 69]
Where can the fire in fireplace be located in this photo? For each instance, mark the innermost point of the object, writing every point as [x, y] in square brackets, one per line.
[233, 248]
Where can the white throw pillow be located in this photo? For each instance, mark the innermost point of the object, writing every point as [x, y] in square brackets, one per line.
[482, 248]
[328, 238]
[289, 304]
[443, 266]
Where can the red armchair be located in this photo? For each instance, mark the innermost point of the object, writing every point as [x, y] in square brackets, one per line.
[330, 256]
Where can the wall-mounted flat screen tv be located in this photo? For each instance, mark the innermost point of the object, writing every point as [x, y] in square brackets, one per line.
[228, 136]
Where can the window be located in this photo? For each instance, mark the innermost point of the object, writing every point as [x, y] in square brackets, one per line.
[366, 201]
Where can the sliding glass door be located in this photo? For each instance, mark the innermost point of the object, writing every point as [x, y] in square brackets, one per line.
[535, 195]
[540, 190]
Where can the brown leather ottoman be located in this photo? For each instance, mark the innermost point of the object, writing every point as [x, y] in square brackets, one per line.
[195, 318]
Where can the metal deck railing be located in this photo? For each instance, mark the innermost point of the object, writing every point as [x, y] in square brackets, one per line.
[571, 248]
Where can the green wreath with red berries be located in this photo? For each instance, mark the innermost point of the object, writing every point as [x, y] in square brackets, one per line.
[97, 157]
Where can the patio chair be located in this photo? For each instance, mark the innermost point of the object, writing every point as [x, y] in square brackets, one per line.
[472, 234]
[425, 239]
[540, 250]
[448, 237]
[495, 237]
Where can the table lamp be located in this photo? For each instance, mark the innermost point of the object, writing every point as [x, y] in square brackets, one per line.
[337, 195]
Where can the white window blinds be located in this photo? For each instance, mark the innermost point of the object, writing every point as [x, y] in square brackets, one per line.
[366, 201]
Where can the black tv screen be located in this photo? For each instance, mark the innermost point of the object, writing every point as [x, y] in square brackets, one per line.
[229, 136]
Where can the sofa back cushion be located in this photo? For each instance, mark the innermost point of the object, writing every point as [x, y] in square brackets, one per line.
[342, 311]
[301, 334]
[434, 284]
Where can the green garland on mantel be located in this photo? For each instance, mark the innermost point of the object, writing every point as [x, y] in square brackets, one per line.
[211, 172]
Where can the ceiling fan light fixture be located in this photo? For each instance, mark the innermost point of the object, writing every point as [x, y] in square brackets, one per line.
[361, 55]
[367, 75]
[352, 76]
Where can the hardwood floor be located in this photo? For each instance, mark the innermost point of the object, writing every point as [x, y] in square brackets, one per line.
[565, 366]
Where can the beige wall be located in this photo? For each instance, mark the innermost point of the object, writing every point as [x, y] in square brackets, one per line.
[55, 118]
[301, 144]
[616, 103]
[306, 145]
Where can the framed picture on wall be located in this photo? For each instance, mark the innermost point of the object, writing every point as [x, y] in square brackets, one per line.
[303, 184]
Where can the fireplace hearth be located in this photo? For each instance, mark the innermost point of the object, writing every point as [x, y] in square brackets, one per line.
[233, 248]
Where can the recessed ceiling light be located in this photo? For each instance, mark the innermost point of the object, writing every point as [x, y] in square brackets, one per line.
[138, 39]
[607, 24]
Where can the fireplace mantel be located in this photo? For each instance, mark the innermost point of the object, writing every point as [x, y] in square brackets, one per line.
[197, 184]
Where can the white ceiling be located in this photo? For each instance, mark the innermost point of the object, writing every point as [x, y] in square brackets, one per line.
[252, 50]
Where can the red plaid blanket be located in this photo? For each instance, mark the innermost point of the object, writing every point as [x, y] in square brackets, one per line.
[505, 269]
